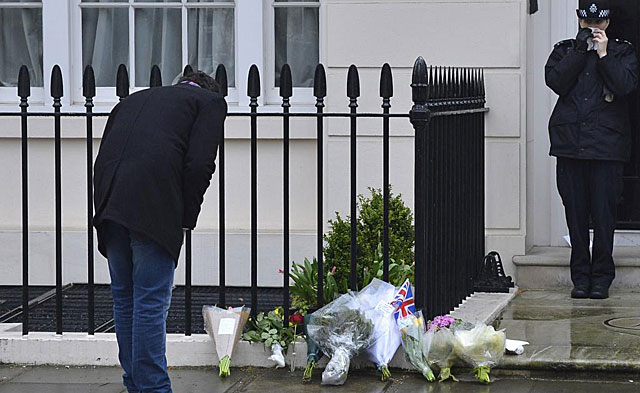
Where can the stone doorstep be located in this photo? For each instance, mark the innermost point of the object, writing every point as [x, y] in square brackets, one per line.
[548, 268]
[80, 349]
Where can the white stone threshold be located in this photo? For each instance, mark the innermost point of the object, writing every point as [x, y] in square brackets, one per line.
[548, 268]
[81, 349]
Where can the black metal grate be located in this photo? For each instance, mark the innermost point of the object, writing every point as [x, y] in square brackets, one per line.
[74, 306]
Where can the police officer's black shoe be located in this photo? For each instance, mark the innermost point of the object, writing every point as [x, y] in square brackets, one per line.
[580, 293]
[599, 292]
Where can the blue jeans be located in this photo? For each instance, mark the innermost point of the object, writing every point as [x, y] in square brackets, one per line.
[141, 281]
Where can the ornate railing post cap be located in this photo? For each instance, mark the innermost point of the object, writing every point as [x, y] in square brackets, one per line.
[253, 83]
[286, 83]
[88, 82]
[56, 82]
[320, 82]
[386, 82]
[24, 82]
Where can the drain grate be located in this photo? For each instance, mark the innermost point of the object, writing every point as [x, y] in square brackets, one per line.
[75, 303]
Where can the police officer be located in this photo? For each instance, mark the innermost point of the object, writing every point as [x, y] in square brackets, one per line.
[590, 136]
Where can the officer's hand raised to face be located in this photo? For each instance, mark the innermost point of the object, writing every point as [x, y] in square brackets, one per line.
[601, 38]
[582, 37]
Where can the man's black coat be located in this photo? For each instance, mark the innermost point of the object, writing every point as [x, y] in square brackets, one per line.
[156, 160]
[584, 125]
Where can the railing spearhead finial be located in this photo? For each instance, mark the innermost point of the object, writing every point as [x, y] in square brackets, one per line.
[221, 78]
[155, 79]
[24, 83]
[122, 82]
[88, 82]
[286, 83]
[386, 82]
[56, 82]
[353, 83]
[320, 82]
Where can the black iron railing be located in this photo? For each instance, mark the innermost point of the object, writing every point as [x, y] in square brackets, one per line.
[448, 117]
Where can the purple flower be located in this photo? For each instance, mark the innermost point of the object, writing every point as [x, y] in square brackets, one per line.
[442, 321]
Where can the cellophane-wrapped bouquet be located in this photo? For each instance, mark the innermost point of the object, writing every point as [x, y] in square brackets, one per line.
[412, 328]
[481, 347]
[314, 353]
[375, 300]
[342, 331]
[439, 341]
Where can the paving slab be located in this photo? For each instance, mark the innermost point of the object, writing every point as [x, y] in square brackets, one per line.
[61, 388]
[73, 375]
[7, 373]
[206, 379]
[571, 333]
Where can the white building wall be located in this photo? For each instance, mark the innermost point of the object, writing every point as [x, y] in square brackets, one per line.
[483, 33]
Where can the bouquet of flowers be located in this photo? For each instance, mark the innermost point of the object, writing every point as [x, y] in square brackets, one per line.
[269, 329]
[438, 344]
[411, 324]
[341, 330]
[481, 347]
[313, 352]
[412, 336]
[376, 300]
[225, 328]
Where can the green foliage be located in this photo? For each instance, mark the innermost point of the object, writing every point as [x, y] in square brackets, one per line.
[337, 250]
[304, 291]
[270, 330]
[398, 272]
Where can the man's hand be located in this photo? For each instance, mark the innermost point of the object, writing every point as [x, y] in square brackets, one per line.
[582, 37]
[600, 37]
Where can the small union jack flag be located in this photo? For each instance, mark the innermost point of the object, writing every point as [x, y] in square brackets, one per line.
[403, 302]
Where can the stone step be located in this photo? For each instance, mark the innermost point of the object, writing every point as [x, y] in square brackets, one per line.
[548, 268]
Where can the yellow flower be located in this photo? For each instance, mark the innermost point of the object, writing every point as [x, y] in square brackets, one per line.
[276, 311]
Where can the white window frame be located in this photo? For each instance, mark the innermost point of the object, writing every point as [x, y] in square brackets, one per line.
[108, 94]
[9, 95]
[254, 44]
[301, 95]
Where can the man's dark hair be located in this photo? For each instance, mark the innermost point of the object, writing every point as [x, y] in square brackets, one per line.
[202, 79]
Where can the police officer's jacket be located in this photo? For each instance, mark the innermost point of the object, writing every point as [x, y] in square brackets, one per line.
[591, 118]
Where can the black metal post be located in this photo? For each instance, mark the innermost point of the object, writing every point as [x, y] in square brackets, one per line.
[420, 115]
[24, 91]
[320, 92]
[89, 91]
[386, 92]
[353, 92]
[221, 78]
[187, 284]
[56, 94]
[253, 91]
[286, 91]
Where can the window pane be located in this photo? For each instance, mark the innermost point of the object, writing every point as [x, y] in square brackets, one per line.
[297, 1]
[105, 1]
[210, 1]
[105, 42]
[158, 41]
[296, 41]
[158, 1]
[211, 40]
[20, 43]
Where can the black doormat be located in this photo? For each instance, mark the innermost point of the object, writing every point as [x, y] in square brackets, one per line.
[42, 317]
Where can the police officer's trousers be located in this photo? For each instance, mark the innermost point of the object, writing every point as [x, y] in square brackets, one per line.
[590, 189]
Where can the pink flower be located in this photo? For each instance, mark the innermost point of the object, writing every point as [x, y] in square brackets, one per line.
[333, 270]
[442, 321]
[280, 271]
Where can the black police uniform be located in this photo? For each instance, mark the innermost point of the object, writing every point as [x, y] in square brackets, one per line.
[590, 136]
